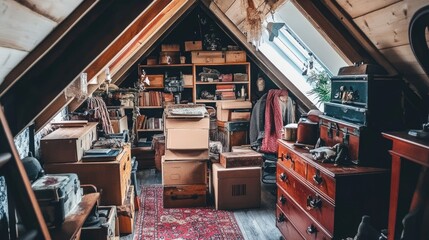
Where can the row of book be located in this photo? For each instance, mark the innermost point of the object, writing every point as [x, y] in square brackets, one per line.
[143, 122]
[226, 91]
[151, 98]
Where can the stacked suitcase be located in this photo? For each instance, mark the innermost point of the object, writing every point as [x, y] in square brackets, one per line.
[184, 165]
[361, 107]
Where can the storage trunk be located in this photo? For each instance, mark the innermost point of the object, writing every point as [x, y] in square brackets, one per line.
[240, 159]
[365, 146]
[233, 134]
[357, 115]
[68, 144]
[208, 57]
[184, 196]
[106, 229]
[237, 188]
[112, 178]
[57, 195]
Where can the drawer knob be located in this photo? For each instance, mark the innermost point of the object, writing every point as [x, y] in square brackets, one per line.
[283, 177]
[317, 178]
[281, 218]
[311, 229]
[282, 199]
[314, 203]
[288, 157]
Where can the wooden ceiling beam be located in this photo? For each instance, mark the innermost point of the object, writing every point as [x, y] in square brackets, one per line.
[28, 97]
[147, 39]
[37, 53]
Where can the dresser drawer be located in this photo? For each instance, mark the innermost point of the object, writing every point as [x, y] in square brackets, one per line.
[313, 203]
[290, 160]
[285, 226]
[305, 225]
[321, 181]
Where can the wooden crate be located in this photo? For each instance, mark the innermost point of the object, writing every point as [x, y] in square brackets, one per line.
[126, 213]
[193, 46]
[156, 81]
[68, 144]
[235, 56]
[110, 177]
[208, 57]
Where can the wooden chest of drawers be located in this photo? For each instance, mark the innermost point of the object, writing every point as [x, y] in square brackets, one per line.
[111, 178]
[323, 201]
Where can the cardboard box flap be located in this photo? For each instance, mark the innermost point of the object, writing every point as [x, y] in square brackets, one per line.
[239, 172]
[234, 105]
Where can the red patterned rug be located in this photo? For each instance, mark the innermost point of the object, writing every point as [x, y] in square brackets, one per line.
[155, 222]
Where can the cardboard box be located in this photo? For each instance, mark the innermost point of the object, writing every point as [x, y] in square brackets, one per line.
[224, 109]
[240, 159]
[184, 196]
[187, 123]
[193, 46]
[126, 213]
[239, 115]
[119, 125]
[108, 227]
[208, 57]
[184, 172]
[236, 188]
[188, 79]
[156, 81]
[235, 56]
[182, 139]
[196, 154]
[170, 47]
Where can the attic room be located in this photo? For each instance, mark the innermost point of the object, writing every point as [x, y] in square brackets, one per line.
[213, 119]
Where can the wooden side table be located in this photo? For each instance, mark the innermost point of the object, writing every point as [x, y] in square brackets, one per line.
[409, 155]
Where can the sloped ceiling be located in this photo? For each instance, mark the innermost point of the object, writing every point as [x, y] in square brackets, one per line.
[380, 27]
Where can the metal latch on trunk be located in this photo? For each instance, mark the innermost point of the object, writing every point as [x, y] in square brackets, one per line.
[346, 136]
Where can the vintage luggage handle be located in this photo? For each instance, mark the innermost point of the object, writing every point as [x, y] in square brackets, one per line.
[317, 178]
[281, 218]
[282, 199]
[331, 127]
[311, 229]
[314, 203]
[283, 177]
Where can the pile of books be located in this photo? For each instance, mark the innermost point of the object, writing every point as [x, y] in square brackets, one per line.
[226, 91]
[143, 122]
[151, 98]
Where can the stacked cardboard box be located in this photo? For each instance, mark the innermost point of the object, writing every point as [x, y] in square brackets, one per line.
[184, 165]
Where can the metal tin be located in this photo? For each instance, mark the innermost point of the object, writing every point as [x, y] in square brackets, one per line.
[289, 132]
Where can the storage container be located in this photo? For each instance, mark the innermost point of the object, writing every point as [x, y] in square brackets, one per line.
[126, 213]
[156, 81]
[233, 134]
[193, 46]
[57, 195]
[68, 144]
[208, 57]
[169, 57]
[170, 47]
[184, 172]
[240, 159]
[106, 229]
[235, 56]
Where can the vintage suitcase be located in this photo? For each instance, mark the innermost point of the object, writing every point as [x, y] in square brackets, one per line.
[57, 195]
[106, 229]
[240, 159]
[371, 100]
[184, 196]
[234, 133]
[68, 144]
[365, 147]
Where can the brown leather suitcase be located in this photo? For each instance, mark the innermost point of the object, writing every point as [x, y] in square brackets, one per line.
[240, 159]
[365, 146]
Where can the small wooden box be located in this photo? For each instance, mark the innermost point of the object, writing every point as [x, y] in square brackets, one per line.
[156, 81]
[108, 227]
[193, 46]
[68, 144]
[126, 213]
[152, 60]
[235, 56]
[188, 79]
[208, 57]
[110, 177]
[119, 125]
[170, 47]
[240, 159]
[181, 196]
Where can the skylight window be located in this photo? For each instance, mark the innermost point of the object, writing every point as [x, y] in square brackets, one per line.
[299, 49]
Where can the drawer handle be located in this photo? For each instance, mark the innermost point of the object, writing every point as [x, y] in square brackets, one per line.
[317, 178]
[311, 229]
[282, 199]
[283, 177]
[281, 218]
[287, 156]
[314, 203]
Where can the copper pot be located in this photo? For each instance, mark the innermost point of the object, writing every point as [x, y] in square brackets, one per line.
[307, 131]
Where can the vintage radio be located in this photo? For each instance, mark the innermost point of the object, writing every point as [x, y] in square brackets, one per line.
[370, 100]
[364, 146]
[57, 195]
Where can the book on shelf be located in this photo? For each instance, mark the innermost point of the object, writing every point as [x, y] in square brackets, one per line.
[225, 86]
[152, 124]
[150, 98]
